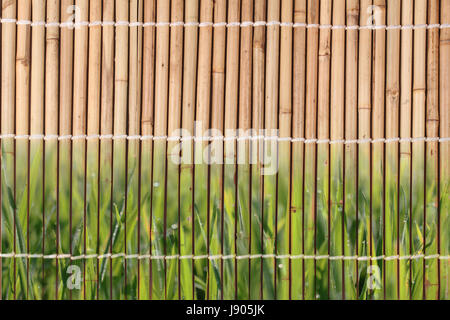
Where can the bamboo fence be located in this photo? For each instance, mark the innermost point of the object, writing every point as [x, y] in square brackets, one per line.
[214, 149]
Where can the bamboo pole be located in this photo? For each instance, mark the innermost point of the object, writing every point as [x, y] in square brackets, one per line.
[231, 112]
[364, 129]
[78, 204]
[337, 132]
[444, 152]
[91, 243]
[405, 147]
[298, 131]
[202, 123]
[23, 56]
[321, 194]
[418, 149]
[350, 150]
[216, 171]
[312, 46]
[173, 153]
[186, 174]
[243, 168]
[284, 173]
[392, 131]
[148, 74]
[104, 272]
[271, 148]
[52, 60]
[431, 223]
[36, 147]
[69, 14]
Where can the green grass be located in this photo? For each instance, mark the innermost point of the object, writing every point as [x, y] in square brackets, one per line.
[129, 205]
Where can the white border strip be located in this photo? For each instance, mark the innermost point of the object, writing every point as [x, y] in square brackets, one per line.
[219, 138]
[218, 257]
[242, 24]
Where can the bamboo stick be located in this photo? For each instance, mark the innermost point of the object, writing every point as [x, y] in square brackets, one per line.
[231, 112]
[78, 204]
[321, 194]
[216, 171]
[52, 60]
[69, 14]
[270, 148]
[36, 147]
[148, 75]
[202, 123]
[364, 129]
[418, 149]
[444, 152]
[243, 168]
[298, 131]
[104, 272]
[23, 44]
[186, 174]
[392, 131]
[312, 46]
[173, 153]
[431, 223]
[350, 155]
[284, 173]
[405, 147]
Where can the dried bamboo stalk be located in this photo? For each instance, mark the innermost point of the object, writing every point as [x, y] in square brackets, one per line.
[216, 172]
[312, 46]
[444, 152]
[321, 194]
[405, 147]
[298, 131]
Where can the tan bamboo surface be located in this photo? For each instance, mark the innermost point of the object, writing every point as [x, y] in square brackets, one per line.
[214, 149]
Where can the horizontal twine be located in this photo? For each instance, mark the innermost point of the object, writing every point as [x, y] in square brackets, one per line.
[220, 138]
[218, 257]
[220, 24]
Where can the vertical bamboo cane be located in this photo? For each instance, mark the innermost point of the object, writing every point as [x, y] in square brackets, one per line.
[202, 123]
[36, 147]
[391, 172]
[418, 150]
[364, 128]
[216, 171]
[91, 242]
[133, 155]
[186, 174]
[312, 46]
[78, 199]
[378, 91]
[23, 290]
[51, 149]
[106, 152]
[444, 152]
[258, 93]
[69, 14]
[284, 173]
[271, 149]
[405, 148]
[350, 155]
[431, 277]
[243, 173]
[148, 76]
[231, 100]
[337, 161]
[298, 131]
[8, 150]
[158, 224]
[173, 153]
[322, 196]
[120, 147]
